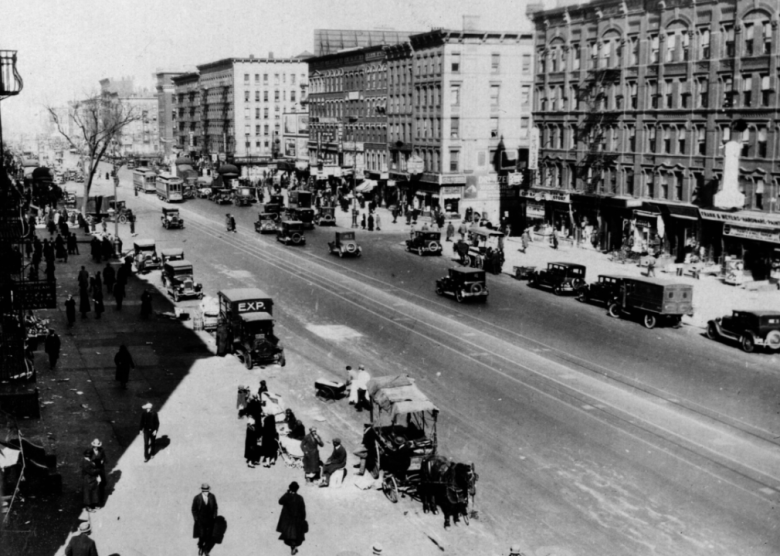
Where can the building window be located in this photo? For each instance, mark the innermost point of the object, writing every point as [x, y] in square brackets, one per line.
[759, 194]
[265, 113]
[454, 95]
[766, 90]
[767, 38]
[667, 140]
[632, 92]
[681, 136]
[265, 79]
[671, 45]
[246, 94]
[276, 96]
[686, 45]
[747, 90]
[651, 139]
[704, 93]
[629, 182]
[761, 144]
[246, 78]
[495, 63]
[292, 96]
[631, 132]
[668, 93]
[265, 96]
[526, 64]
[576, 57]
[525, 95]
[634, 60]
[455, 62]
[454, 127]
[747, 142]
[594, 55]
[679, 182]
[257, 113]
[454, 161]
[701, 141]
[525, 122]
[652, 90]
[494, 127]
[650, 183]
[704, 44]
[494, 95]
[276, 79]
[748, 33]
[728, 35]
[728, 92]
[654, 46]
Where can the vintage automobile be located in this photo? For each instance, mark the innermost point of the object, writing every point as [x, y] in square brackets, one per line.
[171, 254]
[221, 196]
[425, 242]
[118, 211]
[326, 216]
[178, 279]
[652, 300]
[145, 255]
[486, 249]
[604, 290]
[247, 315]
[345, 244]
[244, 196]
[291, 231]
[561, 277]
[463, 283]
[750, 329]
[267, 223]
[170, 218]
[209, 312]
[301, 214]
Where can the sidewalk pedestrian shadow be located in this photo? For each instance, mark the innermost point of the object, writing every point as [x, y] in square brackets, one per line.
[113, 479]
[161, 443]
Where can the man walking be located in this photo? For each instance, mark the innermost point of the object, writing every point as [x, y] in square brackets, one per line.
[109, 277]
[119, 294]
[450, 231]
[204, 512]
[52, 348]
[81, 544]
[70, 310]
[355, 213]
[83, 278]
[362, 386]
[150, 423]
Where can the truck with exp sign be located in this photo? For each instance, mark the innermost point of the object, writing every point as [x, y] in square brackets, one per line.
[248, 319]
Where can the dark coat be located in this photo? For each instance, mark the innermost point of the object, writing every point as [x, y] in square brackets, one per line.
[109, 277]
[99, 307]
[52, 345]
[70, 309]
[146, 304]
[84, 301]
[72, 244]
[311, 454]
[250, 444]
[149, 421]
[106, 248]
[119, 290]
[124, 362]
[205, 515]
[83, 278]
[81, 545]
[270, 445]
[292, 521]
[89, 482]
[337, 460]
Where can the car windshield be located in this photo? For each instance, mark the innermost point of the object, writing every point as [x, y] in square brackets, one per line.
[347, 236]
[184, 271]
[173, 214]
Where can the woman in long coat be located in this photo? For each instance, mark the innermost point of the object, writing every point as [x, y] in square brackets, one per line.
[270, 448]
[311, 454]
[251, 452]
[124, 362]
[89, 482]
[84, 302]
[70, 310]
[292, 524]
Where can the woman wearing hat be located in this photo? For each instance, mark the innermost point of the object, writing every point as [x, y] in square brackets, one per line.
[270, 445]
[90, 482]
[292, 524]
[81, 544]
[251, 450]
[311, 454]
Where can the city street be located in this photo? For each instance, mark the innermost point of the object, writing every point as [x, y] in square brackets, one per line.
[588, 433]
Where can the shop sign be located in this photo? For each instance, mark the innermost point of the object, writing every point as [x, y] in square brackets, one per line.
[516, 178]
[450, 191]
[415, 165]
[391, 183]
[534, 210]
[35, 295]
[558, 197]
[750, 219]
[353, 146]
[772, 236]
[533, 149]
[644, 223]
[445, 179]
[384, 175]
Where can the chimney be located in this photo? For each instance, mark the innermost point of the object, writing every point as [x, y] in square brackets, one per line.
[251, 56]
[470, 22]
[270, 55]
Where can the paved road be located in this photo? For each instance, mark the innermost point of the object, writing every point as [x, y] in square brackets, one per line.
[591, 434]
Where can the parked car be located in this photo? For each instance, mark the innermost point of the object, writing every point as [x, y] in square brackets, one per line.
[179, 281]
[301, 214]
[653, 300]
[267, 223]
[171, 219]
[291, 231]
[203, 193]
[561, 277]
[345, 244]
[326, 216]
[221, 196]
[604, 290]
[145, 255]
[244, 196]
[171, 254]
[750, 328]
[247, 315]
[425, 242]
[464, 283]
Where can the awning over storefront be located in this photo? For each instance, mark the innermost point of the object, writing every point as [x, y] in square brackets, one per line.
[366, 186]
[744, 218]
[449, 192]
[684, 212]
[771, 236]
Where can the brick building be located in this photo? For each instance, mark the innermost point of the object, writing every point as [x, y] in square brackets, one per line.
[165, 112]
[635, 101]
[185, 103]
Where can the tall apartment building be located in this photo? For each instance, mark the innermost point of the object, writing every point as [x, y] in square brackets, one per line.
[140, 136]
[187, 126]
[459, 103]
[636, 103]
[165, 112]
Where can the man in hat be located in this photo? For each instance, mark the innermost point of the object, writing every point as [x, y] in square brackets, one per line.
[514, 550]
[98, 457]
[81, 545]
[336, 461]
[204, 512]
[52, 347]
[150, 423]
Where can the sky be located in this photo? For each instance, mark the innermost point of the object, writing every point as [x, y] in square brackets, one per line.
[65, 47]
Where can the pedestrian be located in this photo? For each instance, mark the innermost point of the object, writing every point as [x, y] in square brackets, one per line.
[363, 221]
[70, 310]
[368, 454]
[336, 461]
[362, 387]
[73, 246]
[223, 339]
[269, 447]
[150, 424]
[352, 384]
[525, 239]
[84, 302]
[124, 362]
[50, 267]
[131, 220]
[60, 249]
[251, 449]
[51, 226]
[395, 214]
[52, 348]
[146, 304]
[90, 482]
[118, 247]
[100, 308]
[424, 227]
[104, 224]
[106, 248]
[95, 249]
[98, 457]
[109, 277]
[83, 278]
[450, 231]
[119, 294]
[292, 526]
[204, 512]
[378, 222]
[355, 217]
[650, 267]
[48, 250]
[370, 222]
[554, 239]
[97, 285]
[81, 544]
[440, 220]
[311, 455]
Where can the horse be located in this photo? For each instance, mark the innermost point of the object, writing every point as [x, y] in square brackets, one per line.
[447, 485]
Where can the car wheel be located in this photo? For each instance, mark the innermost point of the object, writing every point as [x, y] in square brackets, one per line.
[439, 291]
[748, 343]
[582, 296]
[772, 340]
[649, 320]
[283, 361]
[476, 289]
[614, 310]
[459, 296]
[712, 331]
[248, 360]
[558, 290]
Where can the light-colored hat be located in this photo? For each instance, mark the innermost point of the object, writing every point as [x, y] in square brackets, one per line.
[205, 486]
[514, 549]
[97, 443]
[84, 527]
[250, 420]
[147, 405]
[361, 367]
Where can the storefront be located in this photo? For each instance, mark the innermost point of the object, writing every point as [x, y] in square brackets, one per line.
[682, 230]
[751, 236]
[449, 198]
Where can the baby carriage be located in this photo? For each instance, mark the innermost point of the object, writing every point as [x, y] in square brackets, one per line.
[290, 452]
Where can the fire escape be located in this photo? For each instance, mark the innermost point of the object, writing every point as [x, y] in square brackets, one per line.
[596, 121]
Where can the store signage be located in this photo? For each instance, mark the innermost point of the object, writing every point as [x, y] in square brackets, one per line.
[533, 149]
[750, 219]
[450, 190]
[443, 180]
[558, 197]
[391, 183]
[534, 210]
[35, 295]
[415, 165]
[353, 146]
[772, 236]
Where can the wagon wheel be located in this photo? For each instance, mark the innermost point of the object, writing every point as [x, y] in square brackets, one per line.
[296, 238]
[248, 363]
[122, 219]
[390, 488]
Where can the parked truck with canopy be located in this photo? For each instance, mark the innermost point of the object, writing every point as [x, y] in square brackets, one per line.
[247, 315]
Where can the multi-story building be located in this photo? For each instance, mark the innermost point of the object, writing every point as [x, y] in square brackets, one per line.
[141, 135]
[330, 41]
[242, 101]
[636, 104]
[187, 125]
[165, 112]
[459, 105]
[295, 141]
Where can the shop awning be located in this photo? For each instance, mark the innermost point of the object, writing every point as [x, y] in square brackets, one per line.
[744, 218]
[422, 193]
[450, 195]
[366, 186]
[684, 212]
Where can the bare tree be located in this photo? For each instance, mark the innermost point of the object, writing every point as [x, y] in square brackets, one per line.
[97, 124]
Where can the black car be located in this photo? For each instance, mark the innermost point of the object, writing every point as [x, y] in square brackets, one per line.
[750, 328]
[291, 231]
[464, 283]
[561, 277]
[423, 242]
[345, 244]
[604, 290]
[267, 223]
[301, 214]
[326, 216]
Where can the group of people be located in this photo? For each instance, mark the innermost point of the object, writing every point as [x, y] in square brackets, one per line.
[105, 248]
